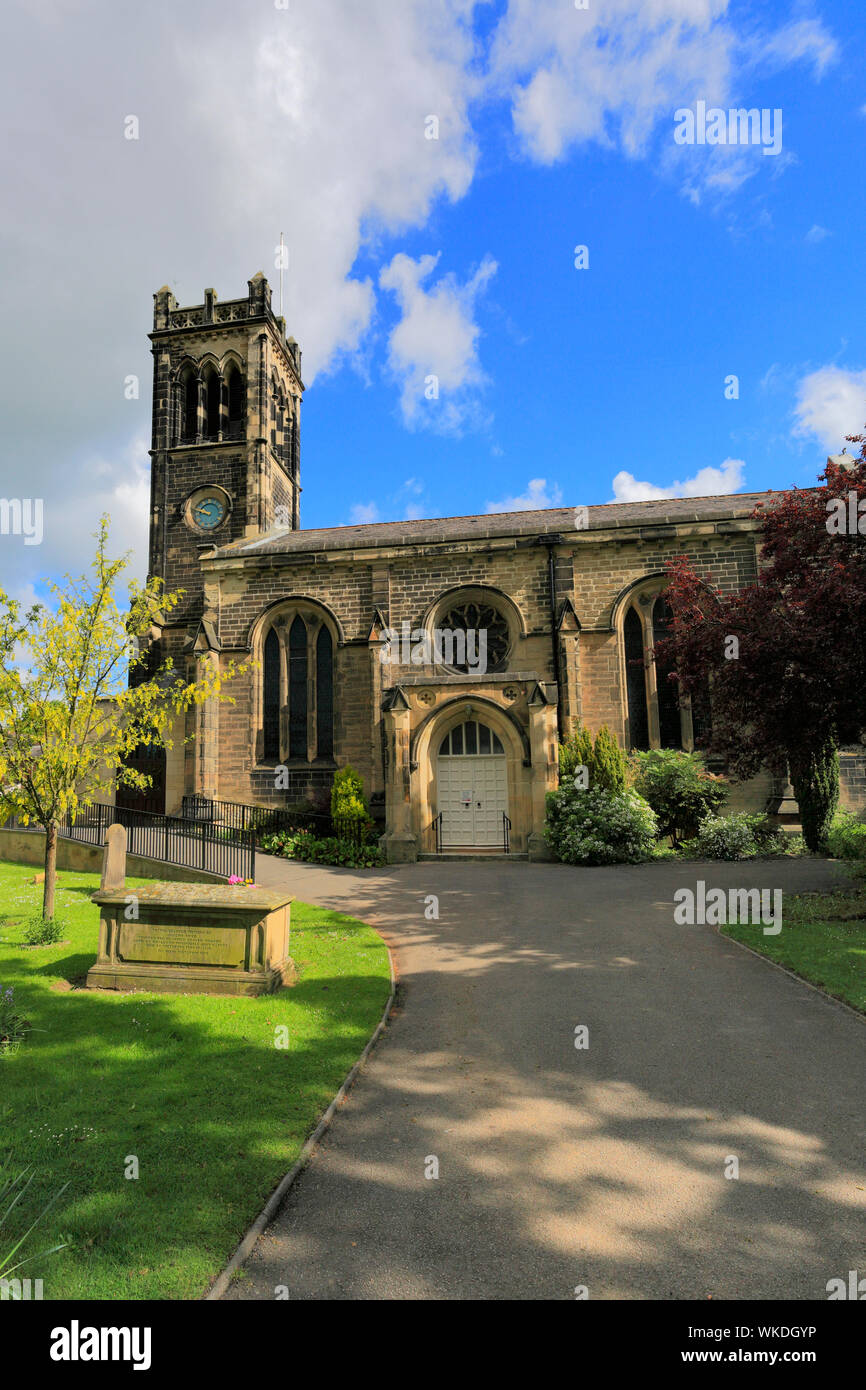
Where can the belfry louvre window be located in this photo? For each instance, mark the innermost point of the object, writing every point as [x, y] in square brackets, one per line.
[212, 405]
[658, 717]
[236, 396]
[189, 404]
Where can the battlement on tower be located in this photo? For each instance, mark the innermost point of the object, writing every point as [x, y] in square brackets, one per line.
[171, 317]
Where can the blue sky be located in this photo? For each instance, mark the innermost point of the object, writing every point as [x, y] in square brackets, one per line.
[623, 366]
[454, 257]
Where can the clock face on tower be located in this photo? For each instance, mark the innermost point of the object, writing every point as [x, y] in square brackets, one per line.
[207, 508]
[209, 512]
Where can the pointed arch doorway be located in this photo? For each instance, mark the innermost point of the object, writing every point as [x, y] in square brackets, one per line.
[472, 787]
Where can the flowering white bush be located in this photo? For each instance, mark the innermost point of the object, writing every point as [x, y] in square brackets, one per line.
[599, 827]
[725, 837]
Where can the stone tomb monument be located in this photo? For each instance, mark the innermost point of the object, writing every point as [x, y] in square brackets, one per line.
[192, 938]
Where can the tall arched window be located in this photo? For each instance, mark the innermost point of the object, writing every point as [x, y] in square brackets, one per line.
[189, 425]
[670, 727]
[658, 716]
[212, 405]
[295, 720]
[638, 712]
[298, 689]
[324, 694]
[271, 698]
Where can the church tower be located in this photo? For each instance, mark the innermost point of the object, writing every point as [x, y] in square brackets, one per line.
[225, 455]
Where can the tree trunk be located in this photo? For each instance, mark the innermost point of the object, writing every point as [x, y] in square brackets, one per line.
[815, 779]
[50, 870]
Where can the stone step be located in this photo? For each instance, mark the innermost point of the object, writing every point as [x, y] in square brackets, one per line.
[473, 855]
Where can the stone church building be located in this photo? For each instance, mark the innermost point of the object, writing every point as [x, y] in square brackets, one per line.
[455, 752]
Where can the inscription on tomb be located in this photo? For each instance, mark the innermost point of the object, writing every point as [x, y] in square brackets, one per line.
[182, 945]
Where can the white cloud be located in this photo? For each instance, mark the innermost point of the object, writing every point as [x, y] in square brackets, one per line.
[309, 120]
[607, 73]
[803, 40]
[817, 233]
[401, 503]
[364, 514]
[536, 497]
[253, 120]
[615, 73]
[433, 349]
[707, 482]
[119, 486]
[831, 403]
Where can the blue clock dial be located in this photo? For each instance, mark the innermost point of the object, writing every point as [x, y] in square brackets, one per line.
[208, 513]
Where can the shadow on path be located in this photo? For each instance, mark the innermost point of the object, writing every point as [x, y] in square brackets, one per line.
[557, 1166]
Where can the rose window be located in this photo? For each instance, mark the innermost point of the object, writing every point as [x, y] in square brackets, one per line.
[467, 622]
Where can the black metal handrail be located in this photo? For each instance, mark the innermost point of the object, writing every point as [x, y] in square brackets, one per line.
[437, 826]
[220, 850]
[261, 820]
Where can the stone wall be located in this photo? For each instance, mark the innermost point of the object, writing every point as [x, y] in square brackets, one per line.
[28, 847]
[405, 584]
[852, 778]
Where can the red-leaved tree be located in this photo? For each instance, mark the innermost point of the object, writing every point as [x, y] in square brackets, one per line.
[785, 657]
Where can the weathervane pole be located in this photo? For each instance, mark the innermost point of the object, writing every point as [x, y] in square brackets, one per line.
[282, 259]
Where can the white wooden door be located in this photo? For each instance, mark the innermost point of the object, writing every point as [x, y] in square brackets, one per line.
[472, 796]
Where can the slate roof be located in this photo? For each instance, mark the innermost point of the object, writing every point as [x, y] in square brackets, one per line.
[550, 521]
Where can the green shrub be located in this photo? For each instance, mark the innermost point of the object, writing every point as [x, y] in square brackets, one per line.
[605, 762]
[347, 795]
[349, 808]
[679, 788]
[575, 752]
[847, 838]
[814, 774]
[330, 849]
[609, 768]
[40, 932]
[739, 836]
[723, 837]
[599, 827]
[768, 838]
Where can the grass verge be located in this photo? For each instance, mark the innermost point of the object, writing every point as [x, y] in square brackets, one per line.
[823, 938]
[191, 1086]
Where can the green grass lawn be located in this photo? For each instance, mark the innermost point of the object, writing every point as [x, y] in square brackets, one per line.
[192, 1085]
[823, 938]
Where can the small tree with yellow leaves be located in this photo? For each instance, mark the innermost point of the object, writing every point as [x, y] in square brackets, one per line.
[79, 693]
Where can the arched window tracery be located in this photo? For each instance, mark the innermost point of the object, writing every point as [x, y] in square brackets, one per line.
[296, 692]
[657, 715]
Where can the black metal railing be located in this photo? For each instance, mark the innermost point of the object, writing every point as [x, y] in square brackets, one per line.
[220, 850]
[269, 820]
[438, 828]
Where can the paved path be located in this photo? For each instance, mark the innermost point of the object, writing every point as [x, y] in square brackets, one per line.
[560, 1167]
